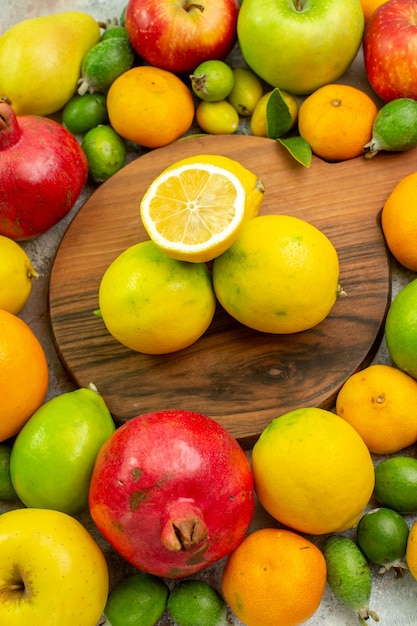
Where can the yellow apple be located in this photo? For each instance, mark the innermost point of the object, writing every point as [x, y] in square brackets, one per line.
[52, 572]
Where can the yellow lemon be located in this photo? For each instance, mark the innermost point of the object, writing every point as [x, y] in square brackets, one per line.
[258, 122]
[154, 304]
[313, 472]
[279, 276]
[16, 275]
[194, 209]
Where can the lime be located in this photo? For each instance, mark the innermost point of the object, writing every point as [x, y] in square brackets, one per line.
[394, 128]
[212, 80]
[217, 118]
[139, 600]
[196, 603]
[247, 91]
[7, 491]
[401, 329]
[349, 575]
[105, 151]
[105, 62]
[382, 535]
[16, 276]
[82, 113]
[396, 484]
[155, 304]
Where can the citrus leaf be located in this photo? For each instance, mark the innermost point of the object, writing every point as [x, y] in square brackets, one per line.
[298, 148]
[278, 116]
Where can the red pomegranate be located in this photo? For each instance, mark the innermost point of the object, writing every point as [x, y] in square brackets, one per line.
[42, 173]
[172, 491]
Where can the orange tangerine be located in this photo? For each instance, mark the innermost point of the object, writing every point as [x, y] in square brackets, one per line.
[380, 402]
[369, 6]
[399, 221]
[274, 576]
[150, 106]
[23, 374]
[336, 120]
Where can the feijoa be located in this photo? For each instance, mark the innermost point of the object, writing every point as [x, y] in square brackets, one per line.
[394, 128]
[105, 151]
[396, 484]
[103, 63]
[84, 112]
[382, 535]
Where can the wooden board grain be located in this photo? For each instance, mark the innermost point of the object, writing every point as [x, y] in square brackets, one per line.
[239, 377]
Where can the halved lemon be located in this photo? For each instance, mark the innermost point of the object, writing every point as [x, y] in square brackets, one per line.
[194, 209]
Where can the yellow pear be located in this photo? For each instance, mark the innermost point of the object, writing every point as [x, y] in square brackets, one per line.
[40, 60]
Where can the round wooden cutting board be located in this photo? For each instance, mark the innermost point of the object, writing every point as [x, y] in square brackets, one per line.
[241, 378]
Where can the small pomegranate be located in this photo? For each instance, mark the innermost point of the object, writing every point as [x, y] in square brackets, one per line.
[172, 491]
[42, 173]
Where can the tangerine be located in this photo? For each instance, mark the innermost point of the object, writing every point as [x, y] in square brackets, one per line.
[380, 402]
[274, 576]
[399, 221]
[336, 121]
[150, 106]
[23, 374]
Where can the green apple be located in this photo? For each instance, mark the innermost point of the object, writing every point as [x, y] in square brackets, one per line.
[52, 572]
[53, 455]
[7, 491]
[300, 45]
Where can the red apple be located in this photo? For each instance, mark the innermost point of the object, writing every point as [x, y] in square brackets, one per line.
[390, 50]
[178, 35]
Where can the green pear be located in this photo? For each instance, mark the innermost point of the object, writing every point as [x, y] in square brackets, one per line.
[53, 456]
[40, 60]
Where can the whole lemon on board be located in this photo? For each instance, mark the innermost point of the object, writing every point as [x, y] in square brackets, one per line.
[40, 60]
[16, 276]
[154, 304]
[279, 276]
[313, 472]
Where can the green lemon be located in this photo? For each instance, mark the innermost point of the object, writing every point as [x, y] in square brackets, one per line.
[7, 491]
[154, 304]
[349, 575]
[247, 91]
[105, 151]
[382, 535]
[196, 603]
[396, 484]
[53, 455]
[217, 118]
[394, 128]
[401, 329]
[139, 600]
[82, 113]
[212, 80]
[105, 62]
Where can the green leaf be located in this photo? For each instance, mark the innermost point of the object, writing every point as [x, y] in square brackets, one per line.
[298, 148]
[278, 116]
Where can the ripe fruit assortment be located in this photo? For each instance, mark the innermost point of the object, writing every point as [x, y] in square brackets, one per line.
[178, 473]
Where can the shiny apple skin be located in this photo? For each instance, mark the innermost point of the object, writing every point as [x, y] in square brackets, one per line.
[178, 35]
[390, 50]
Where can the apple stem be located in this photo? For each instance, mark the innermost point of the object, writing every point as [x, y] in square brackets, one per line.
[7, 588]
[299, 6]
[194, 5]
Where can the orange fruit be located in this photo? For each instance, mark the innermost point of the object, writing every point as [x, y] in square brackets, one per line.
[23, 374]
[274, 577]
[399, 221]
[380, 402]
[150, 106]
[411, 551]
[313, 471]
[336, 121]
[369, 6]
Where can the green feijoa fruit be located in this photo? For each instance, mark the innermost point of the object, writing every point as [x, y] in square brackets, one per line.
[212, 80]
[84, 112]
[114, 30]
[349, 575]
[394, 128]
[105, 151]
[381, 535]
[7, 491]
[197, 603]
[247, 91]
[139, 600]
[396, 484]
[103, 63]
